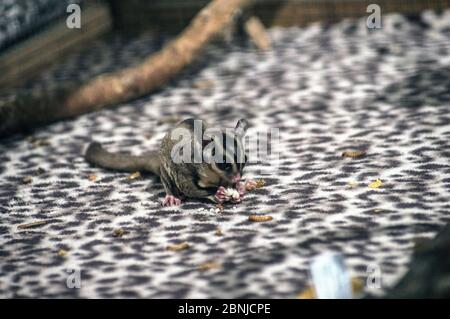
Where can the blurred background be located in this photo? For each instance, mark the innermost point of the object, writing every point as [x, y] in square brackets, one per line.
[34, 35]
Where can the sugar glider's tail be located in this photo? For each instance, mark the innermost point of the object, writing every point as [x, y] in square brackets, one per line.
[97, 155]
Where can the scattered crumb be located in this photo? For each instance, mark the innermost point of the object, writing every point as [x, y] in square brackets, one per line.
[309, 293]
[203, 84]
[219, 232]
[352, 184]
[119, 232]
[209, 265]
[27, 180]
[252, 185]
[37, 142]
[178, 247]
[375, 184]
[353, 154]
[260, 218]
[92, 177]
[169, 120]
[32, 225]
[219, 207]
[62, 253]
[134, 175]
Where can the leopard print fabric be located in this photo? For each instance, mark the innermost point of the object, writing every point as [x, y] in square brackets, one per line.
[327, 90]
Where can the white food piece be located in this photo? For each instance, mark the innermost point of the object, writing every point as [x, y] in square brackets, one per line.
[232, 193]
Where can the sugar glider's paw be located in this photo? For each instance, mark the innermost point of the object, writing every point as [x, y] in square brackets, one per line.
[171, 200]
[220, 196]
[241, 188]
[228, 195]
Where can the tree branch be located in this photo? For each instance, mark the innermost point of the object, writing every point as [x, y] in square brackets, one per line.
[25, 111]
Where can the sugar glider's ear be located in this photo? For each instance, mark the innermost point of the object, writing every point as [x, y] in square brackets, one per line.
[241, 127]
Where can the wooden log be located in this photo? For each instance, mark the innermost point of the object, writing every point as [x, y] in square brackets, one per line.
[256, 31]
[25, 111]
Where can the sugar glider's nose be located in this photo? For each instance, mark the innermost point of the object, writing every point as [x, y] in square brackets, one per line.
[236, 178]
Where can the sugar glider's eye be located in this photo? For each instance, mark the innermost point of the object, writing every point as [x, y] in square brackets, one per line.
[225, 166]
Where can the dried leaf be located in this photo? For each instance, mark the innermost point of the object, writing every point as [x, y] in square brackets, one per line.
[308, 293]
[260, 218]
[27, 180]
[92, 177]
[357, 285]
[37, 142]
[119, 232]
[134, 175]
[353, 154]
[220, 207]
[32, 225]
[260, 183]
[219, 232]
[178, 247]
[62, 253]
[209, 265]
[375, 184]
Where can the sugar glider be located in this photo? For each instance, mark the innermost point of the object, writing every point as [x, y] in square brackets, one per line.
[220, 164]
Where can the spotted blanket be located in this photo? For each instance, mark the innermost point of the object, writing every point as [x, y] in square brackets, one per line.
[327, 89]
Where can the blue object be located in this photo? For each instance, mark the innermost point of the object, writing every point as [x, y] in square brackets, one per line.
[330, 277]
